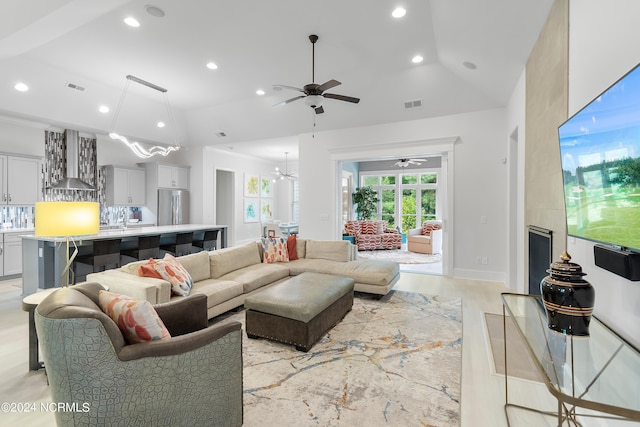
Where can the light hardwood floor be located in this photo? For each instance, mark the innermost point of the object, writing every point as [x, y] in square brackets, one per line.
[482, 389]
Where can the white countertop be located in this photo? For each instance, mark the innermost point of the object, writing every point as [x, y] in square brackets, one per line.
[131, 232]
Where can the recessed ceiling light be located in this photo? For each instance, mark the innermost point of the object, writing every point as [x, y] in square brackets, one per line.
[131, 21]
[161, 124]
[260, 92]
[470, 65]
[21, 87]
[399, 12]
[417, 59]
[154, 11]
[212, 66]
[103, 109]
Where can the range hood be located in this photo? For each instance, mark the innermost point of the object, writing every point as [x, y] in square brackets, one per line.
[72, 180]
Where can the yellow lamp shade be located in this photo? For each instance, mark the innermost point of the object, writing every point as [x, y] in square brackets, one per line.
[58, 219]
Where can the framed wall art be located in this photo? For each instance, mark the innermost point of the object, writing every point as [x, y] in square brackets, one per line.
[266, 209]
[251, 210]
[251, 185]
[266, 188]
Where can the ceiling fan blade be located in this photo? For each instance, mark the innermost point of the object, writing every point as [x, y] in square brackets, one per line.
[319, 110]
[419, 160]
[328, 85]
[288, 101]
[280, 87]
[341, 97]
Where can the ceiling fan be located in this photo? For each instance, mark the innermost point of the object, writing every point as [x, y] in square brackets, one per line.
[313, 92]
[403, 163]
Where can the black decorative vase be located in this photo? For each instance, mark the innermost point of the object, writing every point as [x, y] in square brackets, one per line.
[568, 298]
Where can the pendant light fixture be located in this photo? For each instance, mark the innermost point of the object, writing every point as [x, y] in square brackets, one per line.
[135, 146]
[286, 174]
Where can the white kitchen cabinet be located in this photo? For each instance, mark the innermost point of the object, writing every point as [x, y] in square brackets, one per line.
[173, 177]
[20, 180]
[125, 186]
[12, 254]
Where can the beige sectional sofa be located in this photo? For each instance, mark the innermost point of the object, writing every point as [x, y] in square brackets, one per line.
[227, 276]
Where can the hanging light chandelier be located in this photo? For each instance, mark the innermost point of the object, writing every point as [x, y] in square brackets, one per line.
[286, 174]
[138, 149]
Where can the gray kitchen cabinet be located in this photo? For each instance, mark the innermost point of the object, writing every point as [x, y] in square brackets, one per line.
[20, 180]
[12, 254]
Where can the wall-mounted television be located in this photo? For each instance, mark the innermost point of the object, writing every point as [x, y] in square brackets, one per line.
[600, 156]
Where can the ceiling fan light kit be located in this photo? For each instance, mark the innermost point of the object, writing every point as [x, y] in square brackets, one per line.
[314, 93]
[403, 163]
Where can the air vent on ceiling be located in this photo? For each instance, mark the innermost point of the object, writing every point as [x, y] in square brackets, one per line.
[221, 134]
[416, 103]
[75, 86]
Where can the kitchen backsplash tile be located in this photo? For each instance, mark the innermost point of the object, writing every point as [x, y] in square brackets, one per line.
[16, 217]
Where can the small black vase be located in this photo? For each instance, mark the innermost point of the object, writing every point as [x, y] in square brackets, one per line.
[568, 298]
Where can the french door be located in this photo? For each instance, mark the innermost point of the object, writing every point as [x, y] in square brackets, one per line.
[406, 199]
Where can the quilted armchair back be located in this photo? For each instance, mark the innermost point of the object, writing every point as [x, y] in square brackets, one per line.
[187, 380]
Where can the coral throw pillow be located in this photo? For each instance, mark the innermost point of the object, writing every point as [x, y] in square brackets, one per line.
[137, 319]
[275, 249]
[170, 269]
[149, 269]
[292, 247]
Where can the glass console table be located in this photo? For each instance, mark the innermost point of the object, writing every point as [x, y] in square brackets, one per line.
[599, 373]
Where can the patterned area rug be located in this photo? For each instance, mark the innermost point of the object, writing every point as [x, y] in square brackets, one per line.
[389, 362]
[401, 256]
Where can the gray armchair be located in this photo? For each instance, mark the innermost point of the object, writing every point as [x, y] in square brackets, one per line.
[194, 378]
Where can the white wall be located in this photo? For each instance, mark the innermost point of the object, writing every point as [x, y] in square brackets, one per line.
[204, 161]
[604, 41]
[479, 180]
[21, 137]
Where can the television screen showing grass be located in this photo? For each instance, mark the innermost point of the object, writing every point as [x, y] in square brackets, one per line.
[600, 155]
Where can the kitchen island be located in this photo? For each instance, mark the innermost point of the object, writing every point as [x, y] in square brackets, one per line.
[44, 258]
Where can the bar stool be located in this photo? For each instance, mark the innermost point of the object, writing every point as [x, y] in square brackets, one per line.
[209, 242]
[181, 246]
[148, 247]
[105, 253]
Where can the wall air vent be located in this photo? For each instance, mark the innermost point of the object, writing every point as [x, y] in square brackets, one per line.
[416, 103]
[75, 86]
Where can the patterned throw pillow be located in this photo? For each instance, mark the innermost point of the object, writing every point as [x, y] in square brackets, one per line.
[428, 227]
[137, 319]
[275, 249]
[170, 269]
[149, 269]
[292, 247]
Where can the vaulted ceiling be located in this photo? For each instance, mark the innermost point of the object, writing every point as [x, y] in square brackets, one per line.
[49, 44]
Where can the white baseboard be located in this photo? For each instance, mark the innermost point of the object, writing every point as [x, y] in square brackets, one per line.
[488, 276]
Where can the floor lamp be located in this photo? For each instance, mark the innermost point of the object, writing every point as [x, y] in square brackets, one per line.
[67, 220]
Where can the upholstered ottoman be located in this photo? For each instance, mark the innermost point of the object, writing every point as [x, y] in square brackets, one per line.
[299, 310]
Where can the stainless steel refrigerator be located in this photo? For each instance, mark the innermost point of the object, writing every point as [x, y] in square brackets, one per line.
[173, 207]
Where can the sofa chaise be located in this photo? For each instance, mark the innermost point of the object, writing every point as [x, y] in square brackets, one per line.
[227, 276]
